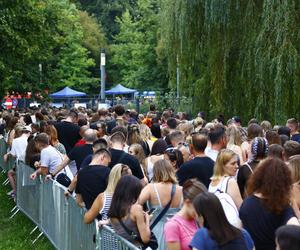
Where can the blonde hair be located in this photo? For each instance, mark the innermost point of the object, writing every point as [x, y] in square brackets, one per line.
[145, 132]
[294, 165]
[163, 171]
[234, 136]
[114, 176]
[224, 156]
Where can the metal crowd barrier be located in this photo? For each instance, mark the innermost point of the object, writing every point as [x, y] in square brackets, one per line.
[28, 193]
[108, 239]
[61, 219]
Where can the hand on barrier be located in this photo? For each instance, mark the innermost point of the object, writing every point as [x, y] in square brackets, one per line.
[103, 222]
[48, 177]
[68, 193]
[33, 176]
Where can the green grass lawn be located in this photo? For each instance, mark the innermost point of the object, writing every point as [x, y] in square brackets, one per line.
[14, 233]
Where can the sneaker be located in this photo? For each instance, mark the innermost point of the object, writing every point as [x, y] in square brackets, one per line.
[10, 192]
[13, 196]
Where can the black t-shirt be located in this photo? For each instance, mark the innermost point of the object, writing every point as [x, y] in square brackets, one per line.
[78, 153]
[119, 156]
[91, 181]
[86, 161]
[261, 223]
[68, 134]
[243, 175]
[200, 168]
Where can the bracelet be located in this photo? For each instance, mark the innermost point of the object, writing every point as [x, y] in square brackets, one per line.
[71, 192]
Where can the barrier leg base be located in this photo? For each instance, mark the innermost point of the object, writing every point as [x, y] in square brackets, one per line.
[14, 208]
[33, 230]
[5, 182]
[39, 236]
[13, 215]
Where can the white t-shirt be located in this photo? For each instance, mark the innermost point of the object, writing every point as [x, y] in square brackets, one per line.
[18, 147]
[50, 158]
[211, 153]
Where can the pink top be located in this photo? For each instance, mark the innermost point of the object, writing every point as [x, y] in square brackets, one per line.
[178, 229]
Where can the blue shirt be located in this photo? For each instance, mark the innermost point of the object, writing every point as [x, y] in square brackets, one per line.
[203, 241]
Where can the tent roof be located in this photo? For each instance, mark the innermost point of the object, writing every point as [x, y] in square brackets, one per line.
[67, 92]
[119, 89]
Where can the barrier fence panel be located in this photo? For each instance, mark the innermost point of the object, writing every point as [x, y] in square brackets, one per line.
[81, 236]
[28, 196]
[53, 212]
[60, 219]
[108, 239]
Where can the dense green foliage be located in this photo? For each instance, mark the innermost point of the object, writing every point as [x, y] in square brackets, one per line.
[236, 57]
[134, 52]
[47, 32]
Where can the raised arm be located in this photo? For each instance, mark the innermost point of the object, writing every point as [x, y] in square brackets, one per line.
[145, 195]
[62, 165]
[142, 222]
[92, 213]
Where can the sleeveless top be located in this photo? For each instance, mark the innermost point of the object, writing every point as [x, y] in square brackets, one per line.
[159, 201]
[221, 186]
[150, 168]
[106, 205]
[158, 230]
[131, 225]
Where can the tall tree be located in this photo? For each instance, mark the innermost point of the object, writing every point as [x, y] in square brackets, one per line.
[106, 12]
[238, 57]
[37, 32]
[135, 48]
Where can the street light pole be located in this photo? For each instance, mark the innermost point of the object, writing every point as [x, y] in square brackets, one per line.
[40, 70]
[102, 69]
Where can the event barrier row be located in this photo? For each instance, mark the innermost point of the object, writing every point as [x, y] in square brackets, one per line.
[59, 218]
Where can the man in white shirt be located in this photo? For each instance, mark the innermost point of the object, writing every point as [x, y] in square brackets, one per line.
[50, 157]
[217, 137]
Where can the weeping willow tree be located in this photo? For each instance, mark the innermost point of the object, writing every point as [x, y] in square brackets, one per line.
[235, 56]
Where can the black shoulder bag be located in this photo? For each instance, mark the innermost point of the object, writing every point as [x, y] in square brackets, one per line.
[151, 244]
[153, 241]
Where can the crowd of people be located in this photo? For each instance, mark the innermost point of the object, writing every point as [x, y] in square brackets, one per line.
[164, 181]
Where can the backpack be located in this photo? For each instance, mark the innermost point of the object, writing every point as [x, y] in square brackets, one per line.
[230, 209]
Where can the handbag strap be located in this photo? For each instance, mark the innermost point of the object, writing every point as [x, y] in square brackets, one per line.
[62, 159]
[132, 234]
[165, 209]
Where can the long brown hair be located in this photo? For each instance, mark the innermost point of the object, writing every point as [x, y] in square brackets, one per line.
[210, 208]
[272, 178]
[51, 131]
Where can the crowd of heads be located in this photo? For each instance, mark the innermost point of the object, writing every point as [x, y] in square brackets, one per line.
[261, 159]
